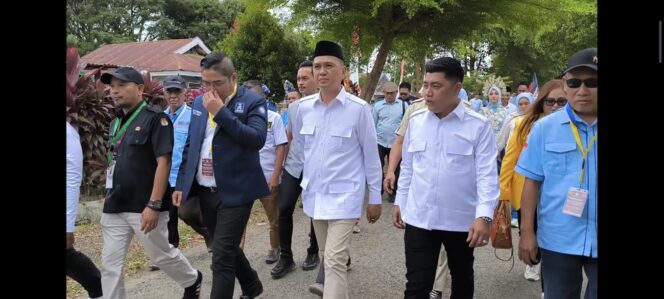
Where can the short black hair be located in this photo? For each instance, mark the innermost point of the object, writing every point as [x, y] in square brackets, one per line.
[219, 62]
[404, 85]
[522, 83]
[252, 83]
[306, 63]
[448, 65]
[508, 89]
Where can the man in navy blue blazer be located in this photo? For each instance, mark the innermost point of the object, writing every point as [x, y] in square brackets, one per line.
[221, 165]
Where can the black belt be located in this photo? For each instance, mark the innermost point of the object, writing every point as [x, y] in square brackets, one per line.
[209, 189]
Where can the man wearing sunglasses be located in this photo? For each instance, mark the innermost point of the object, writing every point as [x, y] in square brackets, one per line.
[220, 164]
[559, 162]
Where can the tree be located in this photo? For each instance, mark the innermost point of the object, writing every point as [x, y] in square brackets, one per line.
[210, 20]
[261, 50]
[426, 21]
[92, 23]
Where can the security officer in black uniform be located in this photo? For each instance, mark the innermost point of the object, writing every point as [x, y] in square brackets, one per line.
[137, 178]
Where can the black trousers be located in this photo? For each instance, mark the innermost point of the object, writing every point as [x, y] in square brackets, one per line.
[228, 260]
[173, 233]
[190, 213]
[539, 253]
[289, 191]
[384, 152]
[422, 251]
[81, 269]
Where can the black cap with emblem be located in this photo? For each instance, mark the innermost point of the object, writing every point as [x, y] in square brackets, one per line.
[584, 58]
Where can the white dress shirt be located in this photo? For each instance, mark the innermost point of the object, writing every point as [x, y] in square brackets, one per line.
[206, 153]
[74, 175]
[276, 135]
[449, 175]
[340, 156]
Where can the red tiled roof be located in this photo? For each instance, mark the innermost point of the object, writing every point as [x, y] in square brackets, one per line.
[152, 56]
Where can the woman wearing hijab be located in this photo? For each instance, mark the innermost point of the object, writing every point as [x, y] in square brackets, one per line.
[523, 99]
[551, 98]
[494, 111]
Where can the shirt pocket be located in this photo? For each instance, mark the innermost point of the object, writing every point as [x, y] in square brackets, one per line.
[307, 132]
[139, 138]
[558, 158]
[340, 138]
[459, 155]
[417, 149]
[340, 190]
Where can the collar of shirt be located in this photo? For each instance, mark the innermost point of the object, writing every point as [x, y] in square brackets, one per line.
[177, 112]
[341, 97]
[577, 119]
[124, 117]
[459, 111]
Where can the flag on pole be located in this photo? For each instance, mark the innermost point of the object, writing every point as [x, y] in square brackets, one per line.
[534, 87]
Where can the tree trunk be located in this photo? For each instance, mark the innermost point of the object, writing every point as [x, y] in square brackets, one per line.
[370, 86]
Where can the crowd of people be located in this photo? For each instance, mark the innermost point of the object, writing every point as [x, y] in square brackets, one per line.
[441, 160]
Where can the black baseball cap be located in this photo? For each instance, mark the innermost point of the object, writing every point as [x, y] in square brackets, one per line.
[584, 58]
[174, 82]
[125, 74]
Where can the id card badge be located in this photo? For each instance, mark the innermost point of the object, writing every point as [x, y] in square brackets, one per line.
[207, 167]
[576, 201]
[109, 175]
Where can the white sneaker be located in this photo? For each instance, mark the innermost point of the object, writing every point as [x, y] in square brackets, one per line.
[515, 223]
[532, 273]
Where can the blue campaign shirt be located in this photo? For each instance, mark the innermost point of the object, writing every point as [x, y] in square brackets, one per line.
[476, 104]
[284, 118]
[387, 118]
[551, 156]
[180, 120]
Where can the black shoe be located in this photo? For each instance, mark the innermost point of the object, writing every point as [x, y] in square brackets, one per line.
[194, 291]
[311, 262]
[282, 268]
[272, 256]
[255, 293]
[154, 267]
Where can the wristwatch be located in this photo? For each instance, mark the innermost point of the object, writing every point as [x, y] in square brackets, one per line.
[487, 220]
[154, 204]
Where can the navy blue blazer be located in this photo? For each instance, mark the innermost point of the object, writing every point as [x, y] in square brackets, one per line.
[240, 134]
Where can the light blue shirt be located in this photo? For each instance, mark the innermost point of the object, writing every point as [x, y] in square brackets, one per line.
[387, 118]
[476, 104]
[552, 157]
[180, 120]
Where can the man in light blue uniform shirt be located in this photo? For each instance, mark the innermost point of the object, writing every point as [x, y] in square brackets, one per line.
[387, 114]
[180, 115]
[476, 103]
[560, 165]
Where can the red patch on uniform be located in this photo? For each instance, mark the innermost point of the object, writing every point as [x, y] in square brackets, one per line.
[525, 145]
[164, 121]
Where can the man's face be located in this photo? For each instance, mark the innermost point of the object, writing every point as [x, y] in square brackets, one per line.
[439, 92]
[175, 97]
[305, 81]
[390, 96]
[126, 94]
[522, 88]
[258, 90]
[582, 98]
[505, 99]
[328, 72]
[218, 82]
[404, 93]
[293, 96]
[494, 96]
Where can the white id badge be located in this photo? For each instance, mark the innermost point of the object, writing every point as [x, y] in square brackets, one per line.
[109, 175]
[576, 201]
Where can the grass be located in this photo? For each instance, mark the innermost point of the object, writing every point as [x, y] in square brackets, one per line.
[89, 240]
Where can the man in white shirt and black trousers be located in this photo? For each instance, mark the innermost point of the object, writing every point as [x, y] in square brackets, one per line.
[448, 186]
[336, 133]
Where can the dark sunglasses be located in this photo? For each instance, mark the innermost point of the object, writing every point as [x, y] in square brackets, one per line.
[560, 101]
[576, 83]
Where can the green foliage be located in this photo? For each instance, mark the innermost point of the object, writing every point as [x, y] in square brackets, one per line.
[261, 50]
[210, 20]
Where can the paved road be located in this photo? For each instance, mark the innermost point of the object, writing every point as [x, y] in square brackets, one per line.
[378, 267]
